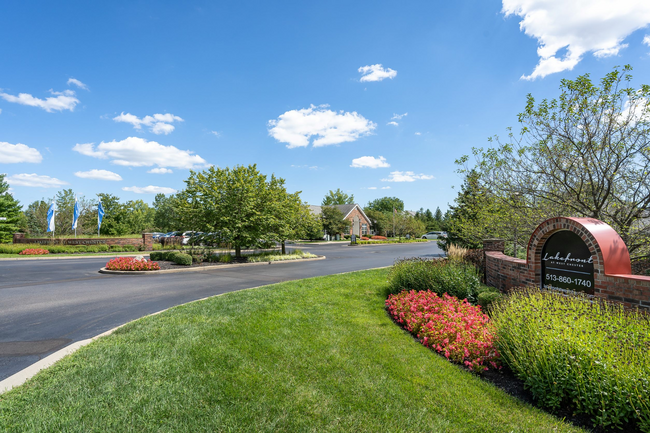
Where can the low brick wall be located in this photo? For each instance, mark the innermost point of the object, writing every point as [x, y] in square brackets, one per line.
[505, 272]
[146, 241]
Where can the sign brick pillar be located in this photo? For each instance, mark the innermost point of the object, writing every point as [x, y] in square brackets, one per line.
[18, 236]
[494, 245]
[147, 241]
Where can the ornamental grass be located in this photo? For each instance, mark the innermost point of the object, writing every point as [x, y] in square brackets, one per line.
[573, 352]
[131, 264]
[454, 328]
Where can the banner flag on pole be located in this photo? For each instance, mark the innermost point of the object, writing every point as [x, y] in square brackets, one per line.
[50, 217]
[75, 215]
[100, 216]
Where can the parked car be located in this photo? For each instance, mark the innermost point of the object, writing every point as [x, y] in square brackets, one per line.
[434, 235]
[156, 235]
[187, 237]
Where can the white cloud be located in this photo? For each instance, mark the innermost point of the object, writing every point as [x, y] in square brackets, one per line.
[406, 176]
[99, 175]
[77, 83]
[216, 133]
[138, 152]
[296, 127]
[398, 116]
[646, 40]
[385, 187]
[34, 180]
[149, 189]
[160, 170]
[65, 100]
[376, 73]
[393, 123]
[370, 162]
[580, 26]
[372, 187]
[14, 153]
[158, 123]
[418, 133]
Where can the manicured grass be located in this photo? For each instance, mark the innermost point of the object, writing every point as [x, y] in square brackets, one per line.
[312, 355]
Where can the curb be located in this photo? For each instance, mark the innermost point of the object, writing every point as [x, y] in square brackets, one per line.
[385, 243]
[205, 268]
[80, 256]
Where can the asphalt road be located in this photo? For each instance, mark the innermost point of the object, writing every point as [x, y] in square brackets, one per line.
[47, 304]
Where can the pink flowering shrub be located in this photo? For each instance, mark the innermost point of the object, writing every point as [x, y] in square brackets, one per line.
[454, 328]
[33, 252]
[131, 264]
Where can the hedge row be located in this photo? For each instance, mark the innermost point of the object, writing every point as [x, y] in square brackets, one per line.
[403, 241]
[172, 256]
[66, 249]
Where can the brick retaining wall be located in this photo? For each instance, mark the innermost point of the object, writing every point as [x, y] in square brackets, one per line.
[146, 240]
[613, 282]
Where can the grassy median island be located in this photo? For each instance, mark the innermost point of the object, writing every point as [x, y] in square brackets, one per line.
[319, 354]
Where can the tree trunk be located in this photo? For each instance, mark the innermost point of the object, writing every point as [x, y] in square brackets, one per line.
[283, 249]
[238, 251]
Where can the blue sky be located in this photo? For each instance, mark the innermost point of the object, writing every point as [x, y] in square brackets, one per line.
[126, 97]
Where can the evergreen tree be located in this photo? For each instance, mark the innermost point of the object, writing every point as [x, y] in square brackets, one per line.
[11, 210]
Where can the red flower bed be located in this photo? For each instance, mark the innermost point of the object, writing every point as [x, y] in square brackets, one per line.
[131, 264]
[379, 238]
[33, 252]
[363, 238]
[460, 331]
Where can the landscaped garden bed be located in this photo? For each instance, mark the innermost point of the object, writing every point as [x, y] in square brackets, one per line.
[313, 355]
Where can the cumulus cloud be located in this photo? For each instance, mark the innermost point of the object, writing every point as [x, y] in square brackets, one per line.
[370, 162]
[376, 73]
[149, 189]
[34, 180]
[646, 40]
[158, 123]
[418, 133]
[580, 26]
[138, 152]
[160, 170]
[406, 176]
[77, 83]
[398, 116]
[296, 127]
[393, 123]
[65, 100]
[14, 153]
[99, 175]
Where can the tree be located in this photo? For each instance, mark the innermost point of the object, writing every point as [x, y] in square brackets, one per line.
[11, 210]
[386, 204]
[238, 204]
[165, 218]
[139, 216]
[114, 221]
[333, 222]
[337, 197]
[292, 218]
[379, 221]
[586, 153]
[36, 216]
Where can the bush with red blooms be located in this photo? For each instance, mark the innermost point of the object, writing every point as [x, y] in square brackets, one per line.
[33, 252]
[454, 328]
[379, 238]
[131, 264]
[363, 238]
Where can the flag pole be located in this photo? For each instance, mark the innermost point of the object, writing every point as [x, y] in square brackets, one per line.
[73, 216]
[53, 219]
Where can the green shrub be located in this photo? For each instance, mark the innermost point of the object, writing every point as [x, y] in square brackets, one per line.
[440, 276]
[182, 259]
[486, 298]
[155, 256]
[225, 258]
[130, 248]
[578, 353]
[116, 248]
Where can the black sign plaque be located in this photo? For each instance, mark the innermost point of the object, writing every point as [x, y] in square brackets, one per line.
[567, 263]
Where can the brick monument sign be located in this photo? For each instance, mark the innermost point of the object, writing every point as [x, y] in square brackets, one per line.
[571, 254]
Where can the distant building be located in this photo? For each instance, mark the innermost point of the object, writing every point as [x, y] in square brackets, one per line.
[352, 212]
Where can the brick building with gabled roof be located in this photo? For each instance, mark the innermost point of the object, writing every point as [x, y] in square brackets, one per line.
[360, 223]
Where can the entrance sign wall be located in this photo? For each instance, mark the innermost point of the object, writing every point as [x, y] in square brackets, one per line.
[577, 254]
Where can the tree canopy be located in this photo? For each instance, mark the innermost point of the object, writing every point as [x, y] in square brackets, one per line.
[9, 209]
[333, 222]
[386, 204]
[337, 197]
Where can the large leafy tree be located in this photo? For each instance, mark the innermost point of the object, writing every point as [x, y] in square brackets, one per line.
[386, 204]
[586, 153]
[114, 222]
[239, 204]
[337, 197]
[292, 218]
[10, 210]
[333, 222]
[380, 221]
[139, 216]
[165, 218]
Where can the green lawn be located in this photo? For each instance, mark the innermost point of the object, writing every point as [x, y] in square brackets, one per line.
[312, 355]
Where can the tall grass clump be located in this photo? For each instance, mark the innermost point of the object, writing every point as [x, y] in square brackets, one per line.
[455, 278]
[571, 352]
[456, 253]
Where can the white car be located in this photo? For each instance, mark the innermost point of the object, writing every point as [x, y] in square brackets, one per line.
[434, 235]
